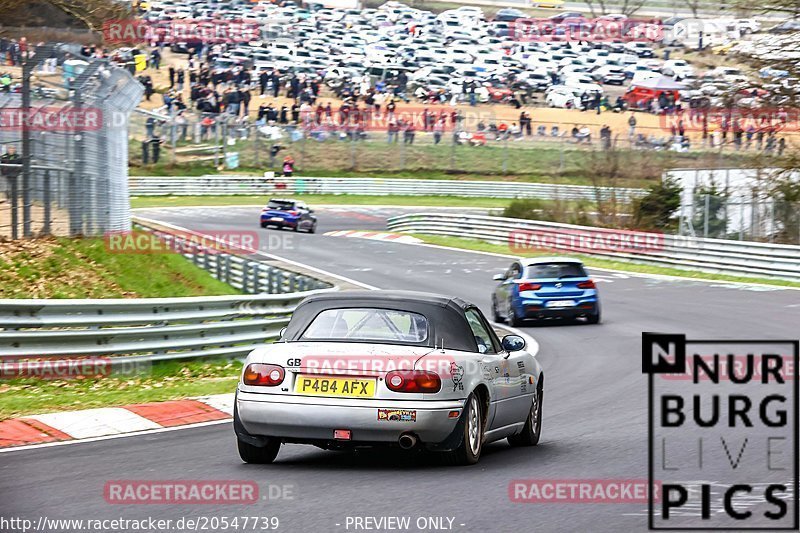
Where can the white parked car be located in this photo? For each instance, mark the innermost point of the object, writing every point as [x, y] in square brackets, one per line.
[563, 97]
[584, 83]
[677, 68]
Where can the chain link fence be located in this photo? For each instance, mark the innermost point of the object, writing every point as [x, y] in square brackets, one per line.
[64, 133]
[225, 141]
[743, 204]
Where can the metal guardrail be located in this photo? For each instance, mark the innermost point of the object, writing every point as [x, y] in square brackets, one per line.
[249, 276]
[739, 258]
[150, 329]
[154, 329]
[232, 185]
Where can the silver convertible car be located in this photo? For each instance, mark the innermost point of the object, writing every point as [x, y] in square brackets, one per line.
[388, 368]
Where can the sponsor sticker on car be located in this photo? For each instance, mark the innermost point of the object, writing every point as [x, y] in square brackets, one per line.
[397, 415]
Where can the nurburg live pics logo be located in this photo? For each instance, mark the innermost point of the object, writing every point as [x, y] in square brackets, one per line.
[722, 433]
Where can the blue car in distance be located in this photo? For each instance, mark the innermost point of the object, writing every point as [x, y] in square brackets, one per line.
[545, 287]
[286, 213]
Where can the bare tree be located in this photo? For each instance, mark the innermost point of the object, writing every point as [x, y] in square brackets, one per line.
[693, 5]
[89, 13]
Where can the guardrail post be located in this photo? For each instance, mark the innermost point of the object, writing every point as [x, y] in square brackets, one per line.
[270, 280]
[292, 282]
[256, 276]
[279, 282]
[227, 269]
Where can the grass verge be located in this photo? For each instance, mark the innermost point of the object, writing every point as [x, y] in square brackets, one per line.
[312, 199]
[168, 380]
[85, 268]
[477, 245]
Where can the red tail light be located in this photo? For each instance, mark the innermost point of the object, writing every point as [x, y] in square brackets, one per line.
[263, 375]
[529, 286]
[413, 381]
[294, 213]
[586, 285]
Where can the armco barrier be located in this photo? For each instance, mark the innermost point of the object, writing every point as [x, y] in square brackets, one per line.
[230, 185]
[152, 329]
[740, 258]
[148, 329]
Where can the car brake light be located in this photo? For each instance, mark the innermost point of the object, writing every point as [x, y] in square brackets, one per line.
[413, 381]
[586, 285]
[263, 375]
[529, 286]
[294, 213]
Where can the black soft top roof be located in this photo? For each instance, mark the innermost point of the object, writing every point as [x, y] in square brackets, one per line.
[445, 314]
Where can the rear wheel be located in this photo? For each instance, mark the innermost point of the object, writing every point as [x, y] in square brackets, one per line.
[313, 228]
[264, 225]
[593, 319]
[469, 451]
[533, 424]
[259, 456]
[495, 313]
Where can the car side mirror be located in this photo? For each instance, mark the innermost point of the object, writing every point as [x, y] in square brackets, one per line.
[513, 343]
[499, 277]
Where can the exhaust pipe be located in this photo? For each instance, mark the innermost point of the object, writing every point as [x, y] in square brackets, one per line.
[407, 441]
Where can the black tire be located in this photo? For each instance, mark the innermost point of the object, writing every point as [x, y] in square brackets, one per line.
[593, 319]
[259, 456]
[264, 225]
[532, 430]
[495, 314]
[513, 320]
[469, 451]
[296, 227]
[313, 228]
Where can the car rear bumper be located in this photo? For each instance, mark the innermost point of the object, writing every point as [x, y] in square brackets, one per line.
[279, 223]
[539, 309]
[316, 418]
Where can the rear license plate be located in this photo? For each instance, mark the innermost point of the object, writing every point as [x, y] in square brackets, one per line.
[561, 303]
[276, 219]
[329, 386]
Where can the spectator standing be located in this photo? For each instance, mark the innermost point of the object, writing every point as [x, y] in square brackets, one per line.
[288, 166]
[438, 129]
[11, 169]
[632, 126]
[155, 59]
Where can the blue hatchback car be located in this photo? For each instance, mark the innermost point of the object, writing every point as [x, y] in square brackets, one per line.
[545, 287]
[286, 213]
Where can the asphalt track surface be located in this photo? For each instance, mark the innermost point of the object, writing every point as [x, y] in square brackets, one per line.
[594, 410]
